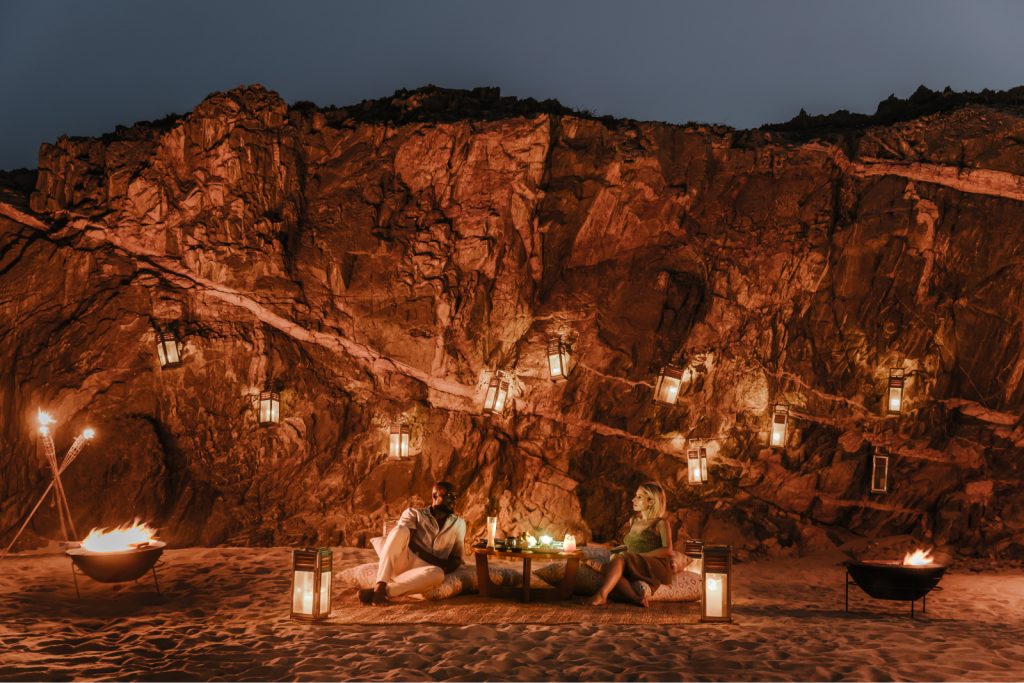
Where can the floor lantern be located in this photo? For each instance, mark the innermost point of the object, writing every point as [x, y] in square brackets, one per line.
[168, 349]
[716, 588]
[780, 425]
[401, 434]
[558, 359]
[894, 397]
[496, 398]
[697, 464]
[311, 583]
[880, 471]
[669, 385]
[269, 407]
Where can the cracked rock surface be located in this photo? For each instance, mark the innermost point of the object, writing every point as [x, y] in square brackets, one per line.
[384, 259]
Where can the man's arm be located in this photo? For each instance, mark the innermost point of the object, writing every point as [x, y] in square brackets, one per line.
[454, 560]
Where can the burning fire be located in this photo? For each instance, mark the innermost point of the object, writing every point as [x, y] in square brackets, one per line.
[919, 557]
[126, 537]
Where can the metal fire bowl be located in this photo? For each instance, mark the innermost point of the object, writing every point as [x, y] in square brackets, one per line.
[895, 581]
[116, 567]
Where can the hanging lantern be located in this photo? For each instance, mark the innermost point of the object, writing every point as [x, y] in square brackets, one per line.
[780, 426]
[496, 398]
[697, 464]
[716, 588]
[168, 349]
[558, 359]
[669, 385]
[269, 407]
[401, 433]
[880, 471]
[311, 583]
[894, 399]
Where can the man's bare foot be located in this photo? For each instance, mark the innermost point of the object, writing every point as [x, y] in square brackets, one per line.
[598, 600]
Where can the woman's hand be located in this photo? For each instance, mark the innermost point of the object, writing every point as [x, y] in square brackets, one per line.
[618, 549]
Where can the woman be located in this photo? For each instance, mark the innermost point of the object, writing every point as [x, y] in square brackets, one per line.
[648, 546]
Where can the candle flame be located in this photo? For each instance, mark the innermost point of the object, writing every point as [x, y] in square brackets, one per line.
[918, 557]
[122, 538]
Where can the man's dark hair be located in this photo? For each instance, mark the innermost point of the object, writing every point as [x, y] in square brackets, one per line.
[445, 486]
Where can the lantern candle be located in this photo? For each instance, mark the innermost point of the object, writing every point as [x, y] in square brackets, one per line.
[558, 360]
[669, 385]
[311, 583]
[780, 425]
[569, 544]
[496, 396]
[716, 601]
[894, 403]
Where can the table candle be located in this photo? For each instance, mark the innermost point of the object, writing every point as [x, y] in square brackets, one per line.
[569, 544]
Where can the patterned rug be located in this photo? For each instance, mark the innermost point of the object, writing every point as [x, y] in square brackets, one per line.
[472, 609]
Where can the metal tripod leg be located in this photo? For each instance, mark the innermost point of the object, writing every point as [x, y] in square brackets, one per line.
[74, 575]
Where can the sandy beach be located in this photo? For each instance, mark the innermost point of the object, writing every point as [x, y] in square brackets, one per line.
[223, 615]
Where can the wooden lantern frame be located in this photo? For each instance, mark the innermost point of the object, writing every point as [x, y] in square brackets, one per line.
[697, 464]
[779, 434]
[399, 439]
[168, 349]
[559, 360]
[268, 407]
[881, 461]
[894, 393]
[669, 385]
[496, 400]
[319, 561]
[716, 561]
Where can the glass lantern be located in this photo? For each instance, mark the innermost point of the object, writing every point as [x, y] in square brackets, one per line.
[398, 445]
[269, 407]
[716, 585]
[168, 349]
[311, 583]
[880, 471]
[496, 398]
[697, 464]
[780, 426]
[669, 385]
[894, 397]
[558, 360]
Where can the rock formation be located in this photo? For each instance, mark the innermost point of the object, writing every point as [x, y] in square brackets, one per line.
[385, 259]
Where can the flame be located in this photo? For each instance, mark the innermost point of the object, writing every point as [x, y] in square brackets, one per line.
[45, 420]
[88, 433]
[122, 538]
[919, 557]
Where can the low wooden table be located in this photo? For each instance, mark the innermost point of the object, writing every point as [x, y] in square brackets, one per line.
[560, 592]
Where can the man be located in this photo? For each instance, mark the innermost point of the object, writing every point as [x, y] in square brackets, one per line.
[425, 545]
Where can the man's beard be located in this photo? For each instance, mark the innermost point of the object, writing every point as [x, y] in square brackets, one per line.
[443, 507]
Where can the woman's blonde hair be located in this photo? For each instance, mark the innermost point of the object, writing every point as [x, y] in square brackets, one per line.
[658, 498]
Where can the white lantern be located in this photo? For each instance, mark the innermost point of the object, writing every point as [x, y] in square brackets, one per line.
[269, 407]
[559, 360]
[398, 445]
[780, 426]
[496, 398]
[880, 471]
[670, 385]
[697, 464]
[716, 588]
[168, 349]
[311, 583]
[894, 397]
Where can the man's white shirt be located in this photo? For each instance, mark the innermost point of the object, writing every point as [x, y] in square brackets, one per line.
[445, 541]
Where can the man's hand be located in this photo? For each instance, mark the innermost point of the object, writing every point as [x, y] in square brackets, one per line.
[451, 564]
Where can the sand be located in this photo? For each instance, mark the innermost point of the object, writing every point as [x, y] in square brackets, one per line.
[224, 616]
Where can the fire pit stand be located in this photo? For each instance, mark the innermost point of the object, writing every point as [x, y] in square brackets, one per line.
[894, 581]
[116, 567]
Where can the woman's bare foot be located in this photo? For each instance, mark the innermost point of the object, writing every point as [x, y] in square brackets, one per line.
[598, 600]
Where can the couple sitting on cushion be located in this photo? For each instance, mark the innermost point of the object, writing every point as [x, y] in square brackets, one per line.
[427, 543]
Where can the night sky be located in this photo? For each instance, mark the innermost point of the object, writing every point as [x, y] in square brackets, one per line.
[81, 68]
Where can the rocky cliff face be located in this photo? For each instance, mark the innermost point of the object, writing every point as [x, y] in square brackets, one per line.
[386, 259]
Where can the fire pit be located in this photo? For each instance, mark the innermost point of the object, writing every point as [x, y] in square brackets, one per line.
[124, 554]
[909, 580]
